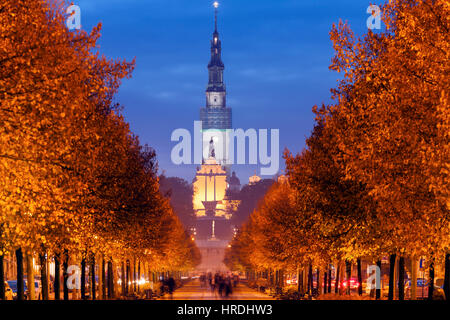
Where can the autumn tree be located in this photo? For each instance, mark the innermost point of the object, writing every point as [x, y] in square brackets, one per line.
[391, 122]
[74, 181]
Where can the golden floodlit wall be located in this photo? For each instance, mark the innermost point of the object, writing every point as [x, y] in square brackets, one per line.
[210, 185]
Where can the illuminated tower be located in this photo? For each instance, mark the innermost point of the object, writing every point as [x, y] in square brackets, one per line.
[216, 117]
[210, 202]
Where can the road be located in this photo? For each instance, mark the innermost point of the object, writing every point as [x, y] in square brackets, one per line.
[193, 291]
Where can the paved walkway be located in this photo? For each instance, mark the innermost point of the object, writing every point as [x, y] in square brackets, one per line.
[193, 291]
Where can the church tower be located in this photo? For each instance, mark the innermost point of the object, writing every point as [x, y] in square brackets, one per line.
[212, 204]
[216, 116]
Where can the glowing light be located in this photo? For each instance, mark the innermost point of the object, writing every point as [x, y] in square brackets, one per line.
[216, 4]
[210, 184]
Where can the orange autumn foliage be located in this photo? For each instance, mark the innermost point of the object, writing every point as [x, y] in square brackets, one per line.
[374, 179]
[72, 175]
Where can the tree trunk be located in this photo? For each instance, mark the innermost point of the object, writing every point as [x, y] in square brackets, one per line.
[392, 259]
[300, 281]
[305, 279]
[103, 276]
[30, 277]
[151, 279]
[272, 276]
[431, 281]
[57, 280]
[110, 280]
[348, 268]
[123, 279]
[128, 278]
[93, 276]
[318, 284]
[281, 278]
[447, 277]
[83, 278]
[337, 280]
[413, 288]
[310, 279]
[325, 281]
[329, 279]
[144, 272]
[360, 289]
[378, 282]
[139, 276]
[401, 279]
[134, 275]
[44, 275]
[65, 274]
[20, 287]
[100, 280]
[115, 275]
[2, 279]
[396, 279]
[276, 278]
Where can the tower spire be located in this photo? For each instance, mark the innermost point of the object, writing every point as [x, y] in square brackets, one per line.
[216, 115]
[216, 65]
[216, 6]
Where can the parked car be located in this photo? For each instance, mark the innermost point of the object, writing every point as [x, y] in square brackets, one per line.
[13, 286]
[8, 292]
[422, 288]
[354, 284]
[291, 281]
[37, 287]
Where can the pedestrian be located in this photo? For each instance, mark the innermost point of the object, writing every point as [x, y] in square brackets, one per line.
[171, 286]
[235, 280]
[213, 284]
[202, 280]
[227, 287]
[221, 286]
[210, 278]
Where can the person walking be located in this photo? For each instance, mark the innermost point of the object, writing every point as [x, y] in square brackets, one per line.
[203, 280]
[210, 278]
[213, 284]
[221, 286]
[235, 280]
[171, 286]
[227, 287]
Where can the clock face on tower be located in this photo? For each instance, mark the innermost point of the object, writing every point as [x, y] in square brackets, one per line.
[215, 99]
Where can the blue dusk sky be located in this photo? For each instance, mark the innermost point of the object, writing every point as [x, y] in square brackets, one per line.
[276, 55]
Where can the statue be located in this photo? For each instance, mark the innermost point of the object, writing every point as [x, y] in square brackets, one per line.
[213, 230]
[212, 153]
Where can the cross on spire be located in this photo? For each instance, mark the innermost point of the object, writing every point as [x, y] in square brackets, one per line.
[216, 6]
[216, 65]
